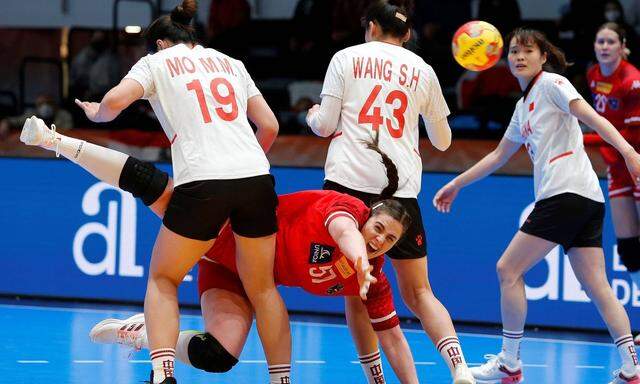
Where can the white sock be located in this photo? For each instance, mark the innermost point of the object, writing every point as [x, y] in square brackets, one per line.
[628, 353]
[511, 347]
[182, 347]
[162, 361]
[280, 374]
[635, 277]
[372, 367]
[103, 163]
[451, 351]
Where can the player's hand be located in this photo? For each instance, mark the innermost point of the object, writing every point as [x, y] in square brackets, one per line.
[444, 197]
[633, 164]
[365, 278]
[90, 109]
[312, 111]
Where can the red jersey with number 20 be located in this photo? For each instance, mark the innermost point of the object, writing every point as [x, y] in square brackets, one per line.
[309, 258]
[384, 88]
[200, 97]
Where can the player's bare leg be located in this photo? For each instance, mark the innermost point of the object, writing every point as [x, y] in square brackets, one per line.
[365, 339]
[413, 280]
[589, 267]
[523, 252]
[255, 260]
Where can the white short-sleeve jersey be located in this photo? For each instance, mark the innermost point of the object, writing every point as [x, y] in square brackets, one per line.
[543, 123]
[384, 88]
[200, 98]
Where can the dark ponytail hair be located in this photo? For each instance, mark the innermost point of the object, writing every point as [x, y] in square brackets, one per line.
[176, 26]
[556, 60]
[391, 15]
[622, 35]
[386, 203]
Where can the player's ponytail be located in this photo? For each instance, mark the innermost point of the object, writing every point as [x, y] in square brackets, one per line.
[176, 26]
[386, 203]
[622, 36]
[556, 60]
[391, 15]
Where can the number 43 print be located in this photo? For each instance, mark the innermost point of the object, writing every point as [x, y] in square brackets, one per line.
[375, 118]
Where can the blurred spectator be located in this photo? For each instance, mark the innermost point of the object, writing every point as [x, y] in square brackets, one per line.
[346, 27]
[226, 30]
[435, 23]
[95, 69]
[310, 39]
[46, 109]
[633, 16]
[503, 14]
[577, 28]
[614, 12]
[489, 94]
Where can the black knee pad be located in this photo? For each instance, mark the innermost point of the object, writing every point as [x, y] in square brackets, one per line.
[629, 251]
[143, 180]
[206, 353]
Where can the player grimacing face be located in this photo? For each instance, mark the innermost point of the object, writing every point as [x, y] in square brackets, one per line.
[608, 47]
[525, 60]
[381, 232]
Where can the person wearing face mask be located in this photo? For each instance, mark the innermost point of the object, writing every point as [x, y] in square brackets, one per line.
[46, 109]
[569, 208]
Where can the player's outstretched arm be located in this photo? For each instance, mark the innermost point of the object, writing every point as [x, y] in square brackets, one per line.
[398, 353]
[115, 101]
[489, 164]
[350, 241]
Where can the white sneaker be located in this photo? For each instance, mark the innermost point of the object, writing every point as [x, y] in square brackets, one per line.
[130, 332]
[619, 378]
[462, 375]
[36, 132]
[494, 371]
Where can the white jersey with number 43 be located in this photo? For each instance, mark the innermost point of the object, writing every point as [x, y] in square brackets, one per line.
[384, 88]
[200, 98]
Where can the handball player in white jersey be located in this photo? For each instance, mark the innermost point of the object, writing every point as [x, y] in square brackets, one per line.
[569, 208]
[380, 89]
[202, 99]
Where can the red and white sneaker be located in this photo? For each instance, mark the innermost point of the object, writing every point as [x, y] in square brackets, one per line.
[494, 371]
[619, 378]
[130, 332]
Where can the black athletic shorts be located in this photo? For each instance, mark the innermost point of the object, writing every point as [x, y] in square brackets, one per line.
[413, 245]
[567, 219]
[199, 209]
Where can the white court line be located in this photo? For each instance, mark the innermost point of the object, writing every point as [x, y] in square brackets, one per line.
[140, 361]
[589, 367]
[33, 361]
[310, 361]
[254, 361]
[88, 361]
[310, 324]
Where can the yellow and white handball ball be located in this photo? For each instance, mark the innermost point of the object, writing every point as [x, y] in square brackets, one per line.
[477, 45]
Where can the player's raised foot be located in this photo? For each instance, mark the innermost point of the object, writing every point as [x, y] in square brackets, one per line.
[130, 332]
[637, 339]
[463, 375]
[495, 371]
[620, 378]
[36, 132]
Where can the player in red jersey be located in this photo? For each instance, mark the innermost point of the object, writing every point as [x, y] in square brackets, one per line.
[615, 86]
[320, 233]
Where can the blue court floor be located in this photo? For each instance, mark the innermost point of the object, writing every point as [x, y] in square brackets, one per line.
[50, 344]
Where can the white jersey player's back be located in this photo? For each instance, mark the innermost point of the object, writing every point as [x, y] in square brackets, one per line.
[200, 98]
[384, 88]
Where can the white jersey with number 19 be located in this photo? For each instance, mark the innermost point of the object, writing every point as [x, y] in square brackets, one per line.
[200, 98]
[383, 88]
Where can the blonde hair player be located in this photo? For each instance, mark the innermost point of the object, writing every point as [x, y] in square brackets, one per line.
[569, 208]
[382, 88]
